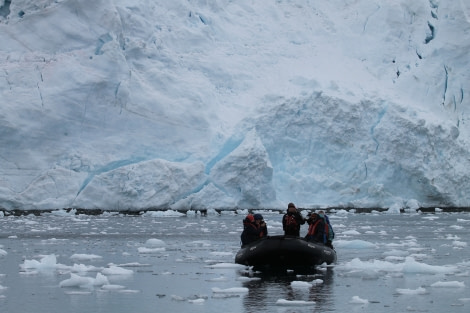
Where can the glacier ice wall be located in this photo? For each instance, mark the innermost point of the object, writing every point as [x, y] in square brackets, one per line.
[119, 104]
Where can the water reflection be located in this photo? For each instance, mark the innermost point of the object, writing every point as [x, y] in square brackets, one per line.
[265, 288]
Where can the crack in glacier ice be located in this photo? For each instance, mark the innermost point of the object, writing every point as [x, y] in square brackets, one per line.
[446, 80]
[228, 147]
[430, 36]
[372, 128]
[107, 168]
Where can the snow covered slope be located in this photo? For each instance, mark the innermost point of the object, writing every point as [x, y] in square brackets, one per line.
[119, 104]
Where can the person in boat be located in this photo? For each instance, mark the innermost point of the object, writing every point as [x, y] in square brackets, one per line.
[329, 234]
[316, 228]
[263, 229]
[292, 220]
[251, 230]
[320, 229]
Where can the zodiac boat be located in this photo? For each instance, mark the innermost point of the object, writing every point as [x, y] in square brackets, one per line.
[284, 252]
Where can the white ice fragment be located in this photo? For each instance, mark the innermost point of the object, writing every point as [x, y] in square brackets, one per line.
[47, 262]
[84, 282]
[300, 284]
[116, 270]
[197, 301]
[449, 284]
[417, 291]
[85, 257]
[153, 242]
[285, 302]
[145, 250]
[358, 300]
[225, 265]
[230, 290]
[112, 287]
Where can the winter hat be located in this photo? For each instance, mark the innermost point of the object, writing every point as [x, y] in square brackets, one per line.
[258, 217]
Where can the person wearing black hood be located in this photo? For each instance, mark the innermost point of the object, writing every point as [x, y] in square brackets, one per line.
[263, 229]
[291, 221]
[251, 230]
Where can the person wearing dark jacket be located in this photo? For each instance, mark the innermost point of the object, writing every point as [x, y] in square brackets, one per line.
[263, 229]
[251, 230]
[292, 220]
[316, 228]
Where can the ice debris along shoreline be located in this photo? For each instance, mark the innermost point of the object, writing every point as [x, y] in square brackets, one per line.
[181, 212]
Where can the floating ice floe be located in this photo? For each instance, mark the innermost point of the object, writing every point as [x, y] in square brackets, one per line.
[116, 270]
[145, 250]
[77, 292]
[300, 284]
[449, 284]
[225, 265]
[84, 282]
[358, 300]
[152, 245]
[85, 257]
[294, 302]
[459, 244]
[230, 290]
[81, 268]
[244, 278]
[154, 242]
[46, 263]
[112, 287]
[197, 301]
[52, 241]
[417, 291]
[134, 264]
[410, 265]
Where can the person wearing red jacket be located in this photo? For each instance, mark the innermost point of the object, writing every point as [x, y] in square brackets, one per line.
[316, 228]
[292, 220]
[251, 230]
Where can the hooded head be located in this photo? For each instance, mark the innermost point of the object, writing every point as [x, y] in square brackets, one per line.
[258, 217]
[291, 208]
[250, 218]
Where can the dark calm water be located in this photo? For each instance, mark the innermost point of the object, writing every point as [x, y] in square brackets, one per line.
[152, 263]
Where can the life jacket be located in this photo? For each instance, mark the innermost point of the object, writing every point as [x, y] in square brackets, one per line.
[291, 223]
[313, 227]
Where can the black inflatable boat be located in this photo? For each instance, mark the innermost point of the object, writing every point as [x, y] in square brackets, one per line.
[284, 252]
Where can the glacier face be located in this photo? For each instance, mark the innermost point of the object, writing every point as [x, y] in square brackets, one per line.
[118, 104]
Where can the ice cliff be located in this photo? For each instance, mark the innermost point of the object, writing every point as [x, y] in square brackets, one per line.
[117, 104]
